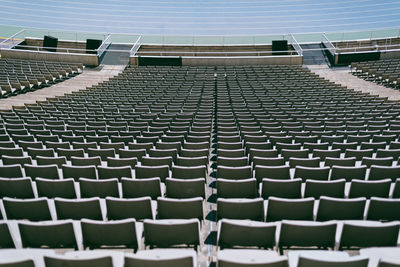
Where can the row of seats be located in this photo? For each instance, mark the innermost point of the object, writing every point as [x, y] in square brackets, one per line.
[170, 233]
[127, 188]
[20, 76]
[187, 188]
[318, 151]
[385, 72]
[161, 167]
[187, 258]
[275, 209]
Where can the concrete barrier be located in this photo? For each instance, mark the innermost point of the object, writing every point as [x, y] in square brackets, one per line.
[85, 59]
[230, 61]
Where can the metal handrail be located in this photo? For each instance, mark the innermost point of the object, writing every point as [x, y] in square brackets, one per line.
[11, 38]
[135, 47]
[329, 45]
[38, 48]
[102, 48]
[296, 45]
[216, 54]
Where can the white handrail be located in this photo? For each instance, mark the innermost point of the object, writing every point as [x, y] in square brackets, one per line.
[135, 47]
[6, 41]
[328, 44]
[296, 45]
[225, 53]
[102, 48]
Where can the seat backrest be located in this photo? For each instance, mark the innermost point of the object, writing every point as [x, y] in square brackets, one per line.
[369, 161]
[374, 234]
[251, 209]
[114, 172]
[177, 258]
[244, 188]
[103, 153]
[324, 153]
[133, 188]
[290, 188]
[120, 162]
[132, 153]
[289, 209]
[105, 261]
[77, 209]
[98, 188]
[304, 162]
[232, 162]
[348, 173]
[247, 234]
[383, 172]
[16, 188]
[78, 161]
[383, 209]
[351, 262]
[315, 173]
[263, 153]
[169, 208]
[341, 209]
[113, 233]
[77, 172]
[317, 188]
[191, 161]
[11, 151]
[231, 153]
[185, 172]
[68, 153]
[11, 160]
[29, 209]
[329, 162]
[137, 208]
[258, 161]
[6, 240]
[378, 188]
[157, 161]
[185, 188]
[56, 188]
[250, 258]
[272, 172]
[59, 161]
[307, 234]
[53, 235]
[167, 233]
[152, 171]
[11, 171]
[42, 171]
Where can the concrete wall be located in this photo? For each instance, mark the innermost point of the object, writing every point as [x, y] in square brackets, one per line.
[61, 44]
[85, 59]
[230, 61]
[133, 61]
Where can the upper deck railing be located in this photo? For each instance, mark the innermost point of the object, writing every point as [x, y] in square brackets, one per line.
[210, 40]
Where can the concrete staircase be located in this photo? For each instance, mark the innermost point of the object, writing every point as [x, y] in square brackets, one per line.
[116, 54]
[89, 77]
[314, 57]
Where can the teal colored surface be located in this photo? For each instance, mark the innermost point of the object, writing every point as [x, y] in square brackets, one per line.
[7, 31]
